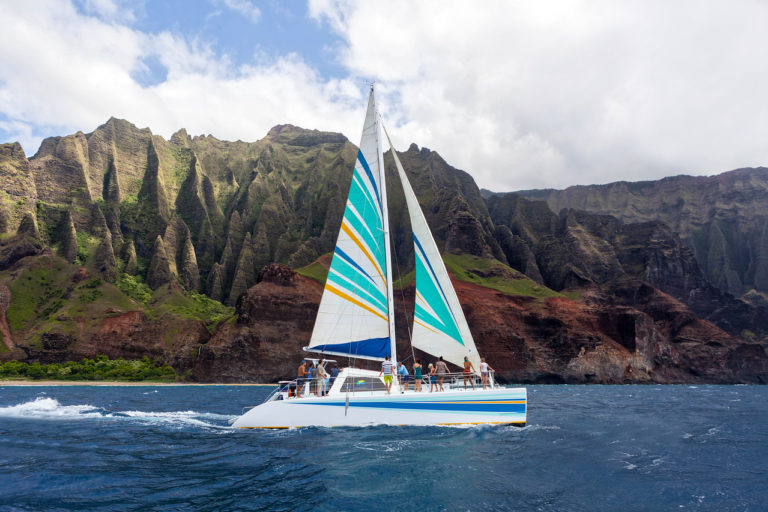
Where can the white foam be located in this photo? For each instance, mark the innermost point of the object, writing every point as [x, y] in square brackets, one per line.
[50, 408]
[44, 407]
[179, 418]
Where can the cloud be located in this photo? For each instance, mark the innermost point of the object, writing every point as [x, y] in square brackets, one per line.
[549, 94]
[63, 71]
[520, 94]
[110, 10]
[243, 7]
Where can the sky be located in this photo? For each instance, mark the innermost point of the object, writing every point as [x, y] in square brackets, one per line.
[520, 94]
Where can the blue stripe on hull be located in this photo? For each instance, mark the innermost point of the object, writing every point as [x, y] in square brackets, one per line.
[507, 408]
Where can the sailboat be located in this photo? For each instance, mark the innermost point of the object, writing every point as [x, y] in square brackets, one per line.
[356, 320]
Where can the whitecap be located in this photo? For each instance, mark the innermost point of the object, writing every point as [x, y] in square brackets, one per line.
[49, 408]
[44, 407]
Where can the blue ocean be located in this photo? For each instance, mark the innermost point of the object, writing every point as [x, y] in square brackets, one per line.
[649, 448]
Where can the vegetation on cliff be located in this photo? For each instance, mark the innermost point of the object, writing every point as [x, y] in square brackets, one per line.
[100, 368]
[120, 242]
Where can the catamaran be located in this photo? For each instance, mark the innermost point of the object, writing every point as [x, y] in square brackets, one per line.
[356, 320]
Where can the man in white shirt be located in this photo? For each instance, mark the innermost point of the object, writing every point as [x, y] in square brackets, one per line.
[388, 369]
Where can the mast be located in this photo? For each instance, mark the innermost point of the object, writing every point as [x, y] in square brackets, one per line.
[387, 251]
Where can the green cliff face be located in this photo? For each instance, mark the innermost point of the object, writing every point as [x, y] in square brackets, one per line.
[137, 228]
[721, 218]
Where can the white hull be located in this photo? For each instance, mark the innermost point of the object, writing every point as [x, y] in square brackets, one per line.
[454, 407]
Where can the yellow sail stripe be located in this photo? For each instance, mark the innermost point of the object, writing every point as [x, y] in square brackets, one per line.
[426, 326]
[353, 300]
[362, 248]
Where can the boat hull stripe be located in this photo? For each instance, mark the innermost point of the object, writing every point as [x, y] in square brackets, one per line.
[512, 407]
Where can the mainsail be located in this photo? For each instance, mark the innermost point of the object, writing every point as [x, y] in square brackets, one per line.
[439, 326]
[354, 316]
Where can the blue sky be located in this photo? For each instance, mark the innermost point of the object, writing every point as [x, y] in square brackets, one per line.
[273, 29]
[522, 94]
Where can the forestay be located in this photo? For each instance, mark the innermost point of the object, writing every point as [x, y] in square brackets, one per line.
[353, 318]
[439, 326]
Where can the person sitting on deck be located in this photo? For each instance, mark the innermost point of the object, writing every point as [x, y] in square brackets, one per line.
[468, 369]
[388, 369]
[402, 372]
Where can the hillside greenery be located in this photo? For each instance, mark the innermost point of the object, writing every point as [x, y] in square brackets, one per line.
[100, 368]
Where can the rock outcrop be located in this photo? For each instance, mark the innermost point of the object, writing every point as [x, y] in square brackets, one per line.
[720, 218]
[651, 268]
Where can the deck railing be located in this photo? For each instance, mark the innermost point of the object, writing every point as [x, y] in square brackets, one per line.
[286, 389]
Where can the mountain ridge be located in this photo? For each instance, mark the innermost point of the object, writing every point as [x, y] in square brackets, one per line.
[174, 228]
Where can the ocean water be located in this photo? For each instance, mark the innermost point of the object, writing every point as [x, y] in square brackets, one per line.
[649, 448]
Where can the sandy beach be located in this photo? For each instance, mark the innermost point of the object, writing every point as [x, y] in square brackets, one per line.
[112, 383]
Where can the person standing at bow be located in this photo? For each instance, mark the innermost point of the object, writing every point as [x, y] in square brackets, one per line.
[485, 370]
[388, 369]
[468, 369]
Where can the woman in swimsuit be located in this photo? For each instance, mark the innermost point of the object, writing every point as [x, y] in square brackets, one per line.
[468, 373]
[417, 375]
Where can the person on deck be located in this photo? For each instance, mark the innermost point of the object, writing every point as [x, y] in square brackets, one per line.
[432, 377]
[468, 369]
[302, 372]
[334, 373]
[485, 370]
[402, 372]
[320, 379]
[311, 376]
[417, 375]
[442, 370]
[388, 369]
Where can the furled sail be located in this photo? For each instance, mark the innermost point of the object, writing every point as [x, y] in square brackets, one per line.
[439, 326]
[354, 315]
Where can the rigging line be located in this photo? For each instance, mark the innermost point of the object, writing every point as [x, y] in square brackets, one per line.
[397, 264]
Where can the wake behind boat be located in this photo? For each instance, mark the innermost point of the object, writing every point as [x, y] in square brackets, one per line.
[356, 320]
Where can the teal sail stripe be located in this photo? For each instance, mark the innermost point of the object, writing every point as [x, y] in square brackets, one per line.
[341, 257]
[367, 169]
[356, 190]
[433, 297]
[367, 293]
[354, 316]
[420, 252]
[374, 249]
[427, 318]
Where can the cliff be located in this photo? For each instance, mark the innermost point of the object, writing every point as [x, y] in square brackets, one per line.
[723, 219]
[121, 242]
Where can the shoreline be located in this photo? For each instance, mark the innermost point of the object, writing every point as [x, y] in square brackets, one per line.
[115, 383]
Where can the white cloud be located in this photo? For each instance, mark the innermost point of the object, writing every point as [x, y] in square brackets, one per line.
[549, 94]
[62, 72]
[110, 10]
[521, 94]
[245, 8]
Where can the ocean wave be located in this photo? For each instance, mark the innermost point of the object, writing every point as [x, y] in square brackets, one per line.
[46, 408]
